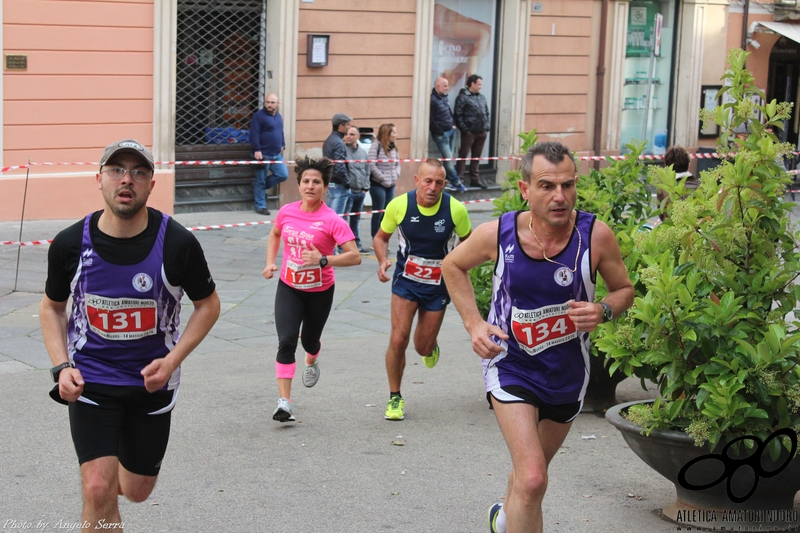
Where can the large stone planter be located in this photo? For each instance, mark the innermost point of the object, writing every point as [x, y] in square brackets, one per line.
[770, 506]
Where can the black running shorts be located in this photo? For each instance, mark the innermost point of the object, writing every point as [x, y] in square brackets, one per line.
[125, 422]
[562, 414]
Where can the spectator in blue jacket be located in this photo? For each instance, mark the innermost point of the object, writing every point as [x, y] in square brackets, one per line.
[267, 143]
[443, 132]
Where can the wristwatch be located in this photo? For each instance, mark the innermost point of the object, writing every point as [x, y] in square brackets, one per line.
[323, 261]
[56, 370]
[608, 313]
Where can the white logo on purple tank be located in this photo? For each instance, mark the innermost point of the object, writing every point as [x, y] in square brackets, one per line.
[142, 282]
[508, 253]
[86, 257]
[563, 276]
[438, 226]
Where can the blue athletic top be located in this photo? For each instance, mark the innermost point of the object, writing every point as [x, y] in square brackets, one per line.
[423, 241]
[544, 353]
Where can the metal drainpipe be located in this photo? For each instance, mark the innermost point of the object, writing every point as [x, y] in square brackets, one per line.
[601, 77]
[746, 12]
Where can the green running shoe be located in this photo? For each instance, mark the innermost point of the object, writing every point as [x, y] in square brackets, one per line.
[394, 409]
[433, 358]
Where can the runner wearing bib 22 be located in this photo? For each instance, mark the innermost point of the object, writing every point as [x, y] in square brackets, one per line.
[429, 224]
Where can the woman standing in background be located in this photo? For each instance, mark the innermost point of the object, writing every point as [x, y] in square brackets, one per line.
[383, 176]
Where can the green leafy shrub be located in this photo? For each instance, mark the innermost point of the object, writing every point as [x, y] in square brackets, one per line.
[712, 320]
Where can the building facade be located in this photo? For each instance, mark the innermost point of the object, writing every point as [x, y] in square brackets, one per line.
[184, 77]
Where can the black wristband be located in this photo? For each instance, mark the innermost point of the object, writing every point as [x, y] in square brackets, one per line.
[56, 370]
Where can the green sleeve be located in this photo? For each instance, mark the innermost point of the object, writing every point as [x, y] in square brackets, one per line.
[460, 217]
[394, 214]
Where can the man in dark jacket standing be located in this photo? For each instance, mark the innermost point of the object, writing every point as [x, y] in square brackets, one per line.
[443, 131]
[267, 143]
[334, 149]
[472, 119]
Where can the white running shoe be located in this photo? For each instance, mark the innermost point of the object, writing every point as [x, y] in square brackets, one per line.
[284, 411]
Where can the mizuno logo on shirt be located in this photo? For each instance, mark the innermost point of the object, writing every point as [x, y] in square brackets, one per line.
[508, 253]
[414, 219]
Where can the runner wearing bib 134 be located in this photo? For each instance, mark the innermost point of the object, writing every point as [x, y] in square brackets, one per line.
[535, 341]
[429, 224]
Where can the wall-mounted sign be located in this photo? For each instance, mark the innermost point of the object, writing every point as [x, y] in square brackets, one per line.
[709, 101]
[537, 8]
[16, 62]
[317, 53]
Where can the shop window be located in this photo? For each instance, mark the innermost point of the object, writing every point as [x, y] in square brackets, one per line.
[464, 43]
[647, 72]
[220, 70]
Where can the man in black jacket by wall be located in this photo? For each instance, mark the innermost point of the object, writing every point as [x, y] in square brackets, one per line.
[443, 131]
[472, 119]
[334, 149]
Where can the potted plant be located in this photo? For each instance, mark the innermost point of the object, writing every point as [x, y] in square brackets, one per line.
[712, 323]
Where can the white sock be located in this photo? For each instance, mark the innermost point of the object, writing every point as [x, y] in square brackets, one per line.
[501, 521]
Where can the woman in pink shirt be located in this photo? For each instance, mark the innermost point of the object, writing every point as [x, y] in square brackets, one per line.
[309, 230]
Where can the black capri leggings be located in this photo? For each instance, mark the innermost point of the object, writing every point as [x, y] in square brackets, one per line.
[294, 307]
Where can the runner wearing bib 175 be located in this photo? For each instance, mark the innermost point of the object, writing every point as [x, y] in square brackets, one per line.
[535, 345]
[309, 230]
[429, 224]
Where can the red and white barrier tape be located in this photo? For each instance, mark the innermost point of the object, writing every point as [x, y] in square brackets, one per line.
[291, 162]
[29, 243]
[235, 225]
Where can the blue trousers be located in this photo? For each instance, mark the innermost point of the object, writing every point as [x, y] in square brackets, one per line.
[354, 205]
[381, 196]
[337, 198]
[446, 143]
[278, 174]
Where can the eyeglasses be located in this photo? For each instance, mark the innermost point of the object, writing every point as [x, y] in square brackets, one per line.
[117, 173]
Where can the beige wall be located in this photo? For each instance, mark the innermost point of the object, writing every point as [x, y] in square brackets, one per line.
[370, 68]
[559, 71]
[89, 82]
[758, 60]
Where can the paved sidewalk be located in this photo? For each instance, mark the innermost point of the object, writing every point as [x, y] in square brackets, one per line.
[341, 467]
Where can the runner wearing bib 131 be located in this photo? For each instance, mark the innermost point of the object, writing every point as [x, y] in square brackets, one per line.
[429, 224]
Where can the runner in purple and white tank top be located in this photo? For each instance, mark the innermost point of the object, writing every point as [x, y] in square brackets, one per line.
[534, 345]
[116, 352]
[544, 354]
